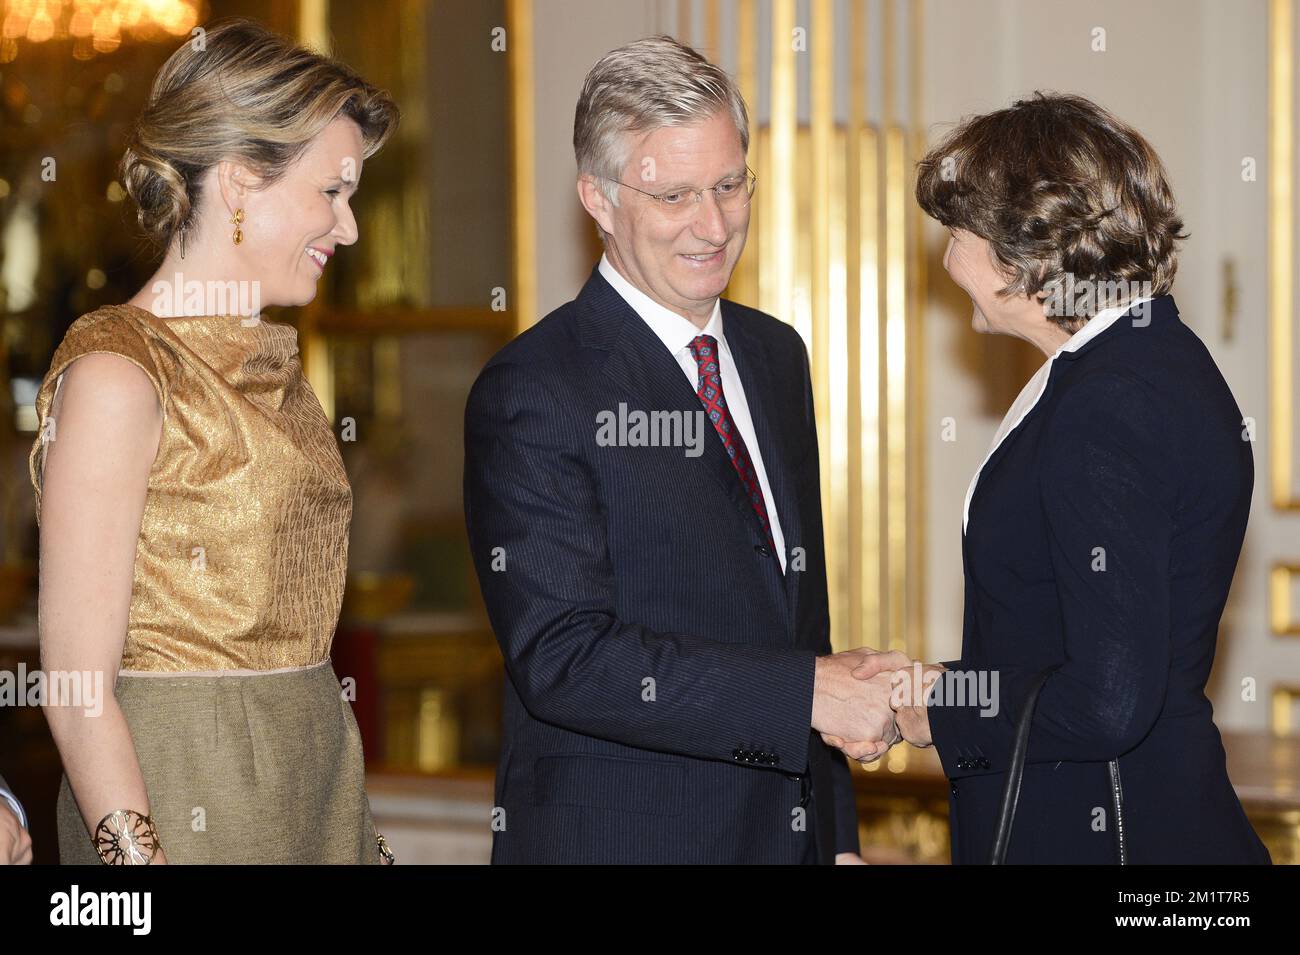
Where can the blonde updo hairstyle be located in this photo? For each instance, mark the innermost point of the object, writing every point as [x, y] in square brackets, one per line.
[238, 92]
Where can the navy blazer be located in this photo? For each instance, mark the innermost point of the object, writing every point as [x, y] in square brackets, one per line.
[1103, 536]
[659, 664]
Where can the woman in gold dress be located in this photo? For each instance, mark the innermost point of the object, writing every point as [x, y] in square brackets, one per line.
[193, 505]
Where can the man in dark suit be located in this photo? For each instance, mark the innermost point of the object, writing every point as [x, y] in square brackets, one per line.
[641, 493]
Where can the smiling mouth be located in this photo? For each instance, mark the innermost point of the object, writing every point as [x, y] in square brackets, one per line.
[704, 258]
[317, 256]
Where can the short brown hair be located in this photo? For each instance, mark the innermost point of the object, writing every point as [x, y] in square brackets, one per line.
[238, 91]
[1062, 190]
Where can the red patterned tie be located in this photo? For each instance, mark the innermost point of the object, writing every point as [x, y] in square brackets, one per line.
[708, 361]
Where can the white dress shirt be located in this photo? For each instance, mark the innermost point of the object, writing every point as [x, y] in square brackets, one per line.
[1036, 385]
[677, 333]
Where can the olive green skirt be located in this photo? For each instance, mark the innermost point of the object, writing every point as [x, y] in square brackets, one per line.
[246, 769]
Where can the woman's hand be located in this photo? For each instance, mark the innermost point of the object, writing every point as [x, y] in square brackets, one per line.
[911, 690]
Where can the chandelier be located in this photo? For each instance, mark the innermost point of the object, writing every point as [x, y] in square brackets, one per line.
[93, 26]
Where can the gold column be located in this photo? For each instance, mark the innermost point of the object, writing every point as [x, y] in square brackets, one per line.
[778, 246]
[523, 196]
[917, 525]
[313, 349]
[865, 554]
[744, 285]
[1281, 181]
[826, 351]
[838, 258]
[1281, 318]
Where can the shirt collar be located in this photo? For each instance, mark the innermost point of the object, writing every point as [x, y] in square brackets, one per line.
[672, 329]
[1098, 324]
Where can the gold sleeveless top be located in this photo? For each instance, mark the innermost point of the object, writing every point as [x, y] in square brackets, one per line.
[243, 546]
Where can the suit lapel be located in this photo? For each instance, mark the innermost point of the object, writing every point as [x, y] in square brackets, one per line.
[754, 373]
[639, 364]
[1010, 439]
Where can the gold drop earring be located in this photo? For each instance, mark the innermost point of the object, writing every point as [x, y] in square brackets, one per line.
[237, 218]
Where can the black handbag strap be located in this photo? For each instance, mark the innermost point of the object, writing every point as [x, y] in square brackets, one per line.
[1016, 770]
[1011, 789]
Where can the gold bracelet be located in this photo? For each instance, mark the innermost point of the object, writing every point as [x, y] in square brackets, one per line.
[384, 851]
[125, 837]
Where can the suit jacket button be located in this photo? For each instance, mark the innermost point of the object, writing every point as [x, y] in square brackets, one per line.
[954, 789]
[762, 551]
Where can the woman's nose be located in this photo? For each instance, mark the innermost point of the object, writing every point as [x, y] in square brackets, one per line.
[346, 228]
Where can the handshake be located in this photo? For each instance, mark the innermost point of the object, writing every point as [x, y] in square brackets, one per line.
[865, 701]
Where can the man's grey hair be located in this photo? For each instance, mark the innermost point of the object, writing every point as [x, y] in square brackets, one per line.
[642, 87]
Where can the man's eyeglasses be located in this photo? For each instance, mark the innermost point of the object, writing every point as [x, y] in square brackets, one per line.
[732, 195]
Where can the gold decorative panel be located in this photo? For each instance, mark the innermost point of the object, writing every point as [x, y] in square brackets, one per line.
[1282, 219]
[834, 250]
[1281, 607]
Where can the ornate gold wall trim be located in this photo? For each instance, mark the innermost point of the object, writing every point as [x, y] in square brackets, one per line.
[1281, 248]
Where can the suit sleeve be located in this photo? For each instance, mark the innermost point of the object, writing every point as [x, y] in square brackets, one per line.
[1108, 500]
[538, 538]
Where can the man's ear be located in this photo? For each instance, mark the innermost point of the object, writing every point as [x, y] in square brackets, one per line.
[596, 203]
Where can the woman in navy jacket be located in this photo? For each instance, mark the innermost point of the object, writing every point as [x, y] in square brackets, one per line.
[1101, 534]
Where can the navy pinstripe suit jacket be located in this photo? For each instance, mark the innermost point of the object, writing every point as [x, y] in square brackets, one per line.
[659, 664]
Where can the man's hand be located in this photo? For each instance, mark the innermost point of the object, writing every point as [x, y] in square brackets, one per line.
[909, 689]
[910, 683]
[849, 858]
[846, 707]
[15, 841]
